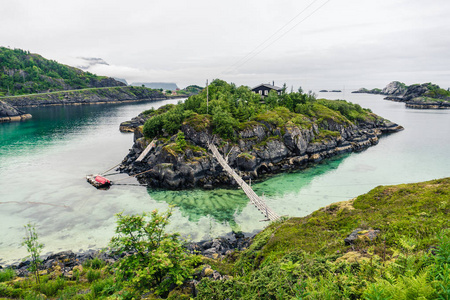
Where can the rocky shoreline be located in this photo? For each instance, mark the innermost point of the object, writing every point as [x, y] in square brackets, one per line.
[261, 150]
[66, 261]
[121, 94]
[8, 113]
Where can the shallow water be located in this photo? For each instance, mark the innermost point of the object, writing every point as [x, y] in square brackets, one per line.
[43, 162]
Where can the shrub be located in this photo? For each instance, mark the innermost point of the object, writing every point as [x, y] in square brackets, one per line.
[156, 259]
[7, 275]
[50, 288]
[34, 248]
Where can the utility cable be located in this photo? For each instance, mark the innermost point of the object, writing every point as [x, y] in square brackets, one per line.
[282, 35]
[270, 37]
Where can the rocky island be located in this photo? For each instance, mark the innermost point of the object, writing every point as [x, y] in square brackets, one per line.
[256, 136]
[395, 88]
[422, 96]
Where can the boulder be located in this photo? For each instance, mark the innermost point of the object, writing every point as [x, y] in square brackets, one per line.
[8, 113]
[361, 235]
[395, 88]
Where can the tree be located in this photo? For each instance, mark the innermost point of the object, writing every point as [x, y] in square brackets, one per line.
[34, 248]
[223, 123]
[154, 260]
[181, 141]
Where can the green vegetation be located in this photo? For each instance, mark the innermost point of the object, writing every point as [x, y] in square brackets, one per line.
[34, 248]
[105, 94]
[7, 275]
[158, 259]
[190, 90]
[296, 258]
[308, 259]
[230, 108]
[23, 72]
[434, 91]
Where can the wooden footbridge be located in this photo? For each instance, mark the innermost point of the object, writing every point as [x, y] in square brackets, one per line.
[254, 198]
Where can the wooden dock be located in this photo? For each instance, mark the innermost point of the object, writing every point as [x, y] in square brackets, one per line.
[146, 151]
[254, 198]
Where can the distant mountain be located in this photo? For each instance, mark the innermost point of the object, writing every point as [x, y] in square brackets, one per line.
[158, 85]
[22, 72]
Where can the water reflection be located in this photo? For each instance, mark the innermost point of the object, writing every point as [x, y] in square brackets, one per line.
[221, 204]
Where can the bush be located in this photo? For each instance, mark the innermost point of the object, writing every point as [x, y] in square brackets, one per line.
[93, 275]
[95, 263]
[156, 260]
[7, 275]
[224, 123]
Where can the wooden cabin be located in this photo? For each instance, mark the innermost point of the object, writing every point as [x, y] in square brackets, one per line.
[264, 88]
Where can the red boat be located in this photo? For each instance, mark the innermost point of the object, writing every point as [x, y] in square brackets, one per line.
[98, 181]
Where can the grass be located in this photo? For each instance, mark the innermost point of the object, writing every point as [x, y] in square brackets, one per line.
[306, 258]
[325, 135]
[420, 210]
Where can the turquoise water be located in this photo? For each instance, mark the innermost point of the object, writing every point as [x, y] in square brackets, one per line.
[43, 162]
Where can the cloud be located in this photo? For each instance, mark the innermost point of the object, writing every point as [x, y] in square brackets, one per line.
[349, 42]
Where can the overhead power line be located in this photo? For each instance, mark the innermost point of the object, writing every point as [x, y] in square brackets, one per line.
[255, 51]
[275, 33]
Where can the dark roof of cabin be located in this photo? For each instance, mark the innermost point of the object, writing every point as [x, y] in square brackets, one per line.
[268, 86]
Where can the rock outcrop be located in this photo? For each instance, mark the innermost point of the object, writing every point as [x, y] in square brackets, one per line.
[395, 88]
[9, 113]
[261, 149]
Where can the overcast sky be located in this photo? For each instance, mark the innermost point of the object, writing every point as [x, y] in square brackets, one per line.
[316, 44]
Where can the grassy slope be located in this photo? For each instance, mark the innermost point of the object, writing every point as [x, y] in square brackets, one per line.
[420, 210]
[307, 257]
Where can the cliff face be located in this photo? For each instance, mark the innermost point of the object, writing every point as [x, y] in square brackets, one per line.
[260, 149]
[86, 96]
[9, 113]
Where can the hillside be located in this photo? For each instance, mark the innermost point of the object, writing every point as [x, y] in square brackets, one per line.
[190, 90]
[22, 72]
[390, 243]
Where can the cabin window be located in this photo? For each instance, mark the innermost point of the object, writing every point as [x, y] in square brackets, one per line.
[266, 92]
[260, 92]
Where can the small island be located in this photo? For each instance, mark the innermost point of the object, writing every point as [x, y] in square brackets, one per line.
[421, 96]
[257, 135]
